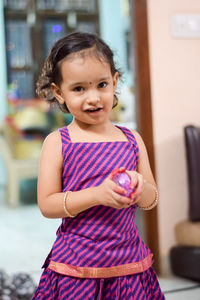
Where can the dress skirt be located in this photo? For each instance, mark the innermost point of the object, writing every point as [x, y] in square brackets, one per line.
[141, 286]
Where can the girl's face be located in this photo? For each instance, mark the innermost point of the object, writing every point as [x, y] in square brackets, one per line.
[87, 88]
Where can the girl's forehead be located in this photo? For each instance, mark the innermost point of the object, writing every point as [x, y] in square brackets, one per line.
[89, 55]
[82, 59]
[76, 64]
[89, 71]
[88, 52]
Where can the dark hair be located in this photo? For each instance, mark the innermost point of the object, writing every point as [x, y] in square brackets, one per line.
[70, 44]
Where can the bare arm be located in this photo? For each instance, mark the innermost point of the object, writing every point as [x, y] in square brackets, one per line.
[50, 195]
[145, 193]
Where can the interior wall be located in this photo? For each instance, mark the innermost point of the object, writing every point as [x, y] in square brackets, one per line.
[175, 86]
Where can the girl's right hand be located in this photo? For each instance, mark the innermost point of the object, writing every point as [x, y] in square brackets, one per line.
[110, 194]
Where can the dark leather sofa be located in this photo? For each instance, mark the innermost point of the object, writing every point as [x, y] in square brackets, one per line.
[185, 257]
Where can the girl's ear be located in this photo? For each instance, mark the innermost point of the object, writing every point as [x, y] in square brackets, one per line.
[57, 93]
[115, 80]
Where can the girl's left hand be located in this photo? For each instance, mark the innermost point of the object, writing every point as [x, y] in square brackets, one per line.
[137, 183]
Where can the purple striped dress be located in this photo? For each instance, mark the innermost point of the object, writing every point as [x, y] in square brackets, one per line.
[99, 254]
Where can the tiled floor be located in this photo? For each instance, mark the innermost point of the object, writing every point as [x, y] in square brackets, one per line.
[26, 239]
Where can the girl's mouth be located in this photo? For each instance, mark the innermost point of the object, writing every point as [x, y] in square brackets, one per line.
[94, 110]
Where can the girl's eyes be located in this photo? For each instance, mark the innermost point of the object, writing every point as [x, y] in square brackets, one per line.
[103, 84]
[78, 89]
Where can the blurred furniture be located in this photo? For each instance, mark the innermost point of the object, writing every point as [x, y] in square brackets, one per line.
[32, 27]
[185, 257]
[185, 262]
[17, 169]
[192, 141]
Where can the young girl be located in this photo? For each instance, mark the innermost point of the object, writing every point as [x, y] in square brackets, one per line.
[98, 253]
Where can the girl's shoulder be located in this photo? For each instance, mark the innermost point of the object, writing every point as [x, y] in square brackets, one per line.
[131, 134]
[57, 136]
[52, 142]
[135, 136]
[141, 145]
[138, 138]
[53, 137]
[52, 149]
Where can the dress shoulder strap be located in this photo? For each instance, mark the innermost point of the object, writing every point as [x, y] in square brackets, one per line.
[128, 134]
[132, 140]
[64, 135]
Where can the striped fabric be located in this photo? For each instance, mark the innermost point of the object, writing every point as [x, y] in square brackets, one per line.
[142, 286]
[100, 236]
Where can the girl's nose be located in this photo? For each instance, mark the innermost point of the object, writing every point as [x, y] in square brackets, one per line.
[93, 98]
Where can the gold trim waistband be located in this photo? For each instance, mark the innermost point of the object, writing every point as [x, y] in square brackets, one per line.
[90, 272]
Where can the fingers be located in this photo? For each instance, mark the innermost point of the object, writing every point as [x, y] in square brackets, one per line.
[137, 183]
[116, 196]
[114, 172]
[115, 187]
[110, 176]
[118, 189]
[140, 186]
[122, 202]
[134, 179]
[122, 169]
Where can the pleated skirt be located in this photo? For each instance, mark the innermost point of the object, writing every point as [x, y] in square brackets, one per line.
[141, 286]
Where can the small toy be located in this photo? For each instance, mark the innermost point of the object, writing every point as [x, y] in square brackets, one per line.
[121, 178]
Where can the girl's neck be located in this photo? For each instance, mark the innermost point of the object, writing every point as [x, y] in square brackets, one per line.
[95, 133]
[102, 128]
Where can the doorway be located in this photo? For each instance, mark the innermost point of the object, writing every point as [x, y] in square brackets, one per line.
[144, 110]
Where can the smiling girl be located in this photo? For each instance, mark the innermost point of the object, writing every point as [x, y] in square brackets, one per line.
[98, 252]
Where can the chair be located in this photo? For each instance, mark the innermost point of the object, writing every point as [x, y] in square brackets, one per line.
[17, 169]
[192, 142]
[185, 257]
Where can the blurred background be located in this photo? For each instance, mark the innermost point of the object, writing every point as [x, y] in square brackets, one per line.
[156, 45]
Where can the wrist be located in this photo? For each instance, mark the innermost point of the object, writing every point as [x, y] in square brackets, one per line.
[145, 204]
[96, 196]
[65, 205]
[82, 200]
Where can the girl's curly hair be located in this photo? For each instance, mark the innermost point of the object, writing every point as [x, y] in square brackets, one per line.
[70, 44]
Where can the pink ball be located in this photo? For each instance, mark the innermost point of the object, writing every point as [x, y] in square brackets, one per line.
[124, 180]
